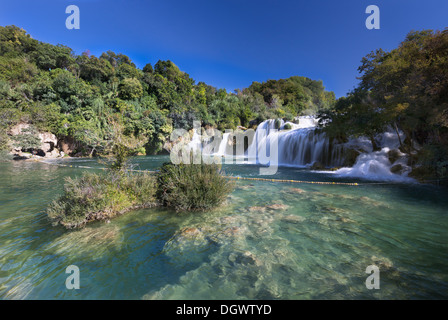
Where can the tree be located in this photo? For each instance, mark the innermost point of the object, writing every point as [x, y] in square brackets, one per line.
[130, 89]
[27, 140]
[405, 89]
[148, 68]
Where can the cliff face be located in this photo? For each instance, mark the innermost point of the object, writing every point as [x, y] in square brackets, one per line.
[45, 144]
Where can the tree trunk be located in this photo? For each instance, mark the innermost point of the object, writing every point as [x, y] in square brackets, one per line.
[398, 135]
[374, 145]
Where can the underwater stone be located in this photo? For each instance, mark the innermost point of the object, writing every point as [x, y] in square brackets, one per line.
[297, 190]
[293, 218]
[278, 206]
[257, 209]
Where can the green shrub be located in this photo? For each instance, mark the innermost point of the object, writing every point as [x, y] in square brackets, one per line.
[193, 187]
[5, 156]
[287, 126]
[28, 139]
[101, 196]
[130, 89]
[4, 139]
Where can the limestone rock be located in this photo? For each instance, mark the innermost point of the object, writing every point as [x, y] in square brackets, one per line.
[48, 144]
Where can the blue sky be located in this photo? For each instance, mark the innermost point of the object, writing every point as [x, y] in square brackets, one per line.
[229, 44]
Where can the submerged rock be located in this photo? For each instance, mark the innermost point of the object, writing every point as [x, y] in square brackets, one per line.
[297, 190]
[346, 197]
[234, 231]
[328, 209]
[257, 209]
[245, 187]
[189, 233]
[229, 235]
[275, 207]
[345, 220]
[293, 218]
[372, 202]
[382, 263]
[245, 258]
[227, 220]
[316, 195]
[278, 206]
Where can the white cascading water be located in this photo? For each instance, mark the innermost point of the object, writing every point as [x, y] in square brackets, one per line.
[196, 142]
[376, 165]
[300, 146]
[222, 151]
[303, 145]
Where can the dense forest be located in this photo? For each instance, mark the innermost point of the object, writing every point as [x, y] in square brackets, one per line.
[405, 90]
[83, 98]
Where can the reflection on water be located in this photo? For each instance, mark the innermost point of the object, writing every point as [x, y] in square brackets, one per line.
[270, 241]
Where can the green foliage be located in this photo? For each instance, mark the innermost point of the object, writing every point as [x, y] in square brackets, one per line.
[49, 57]
[4, 140]
[14, 41]
[93, 197]
[130, 89]
[194, 187]
[405, 89]
[27, 139]
[94, 70]
[16, 70]
[148, 68]
[5, 156]
[295, 93]
[101, 196]
[49, 118]
[9, 117]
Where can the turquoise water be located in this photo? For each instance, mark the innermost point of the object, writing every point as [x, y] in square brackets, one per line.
[269, 241]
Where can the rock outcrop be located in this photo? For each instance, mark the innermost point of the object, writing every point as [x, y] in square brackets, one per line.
[48, 147]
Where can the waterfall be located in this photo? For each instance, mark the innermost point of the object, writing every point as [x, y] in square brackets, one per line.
[196, 141]
[222, 151]
[378, 165]
[303, 145]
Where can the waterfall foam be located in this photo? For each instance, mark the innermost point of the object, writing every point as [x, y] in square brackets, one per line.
[374, 166]
[304, 145]
[377, 165]
[301, 146]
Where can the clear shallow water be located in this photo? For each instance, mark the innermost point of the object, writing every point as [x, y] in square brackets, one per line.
[270, 241]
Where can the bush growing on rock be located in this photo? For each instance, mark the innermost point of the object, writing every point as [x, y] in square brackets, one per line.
[193, 187]
[28, 139]
[4, 140]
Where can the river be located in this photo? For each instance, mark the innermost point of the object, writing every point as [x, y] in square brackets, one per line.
[270, 240]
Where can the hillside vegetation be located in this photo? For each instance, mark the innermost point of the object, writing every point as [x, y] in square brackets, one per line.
[76, 97]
